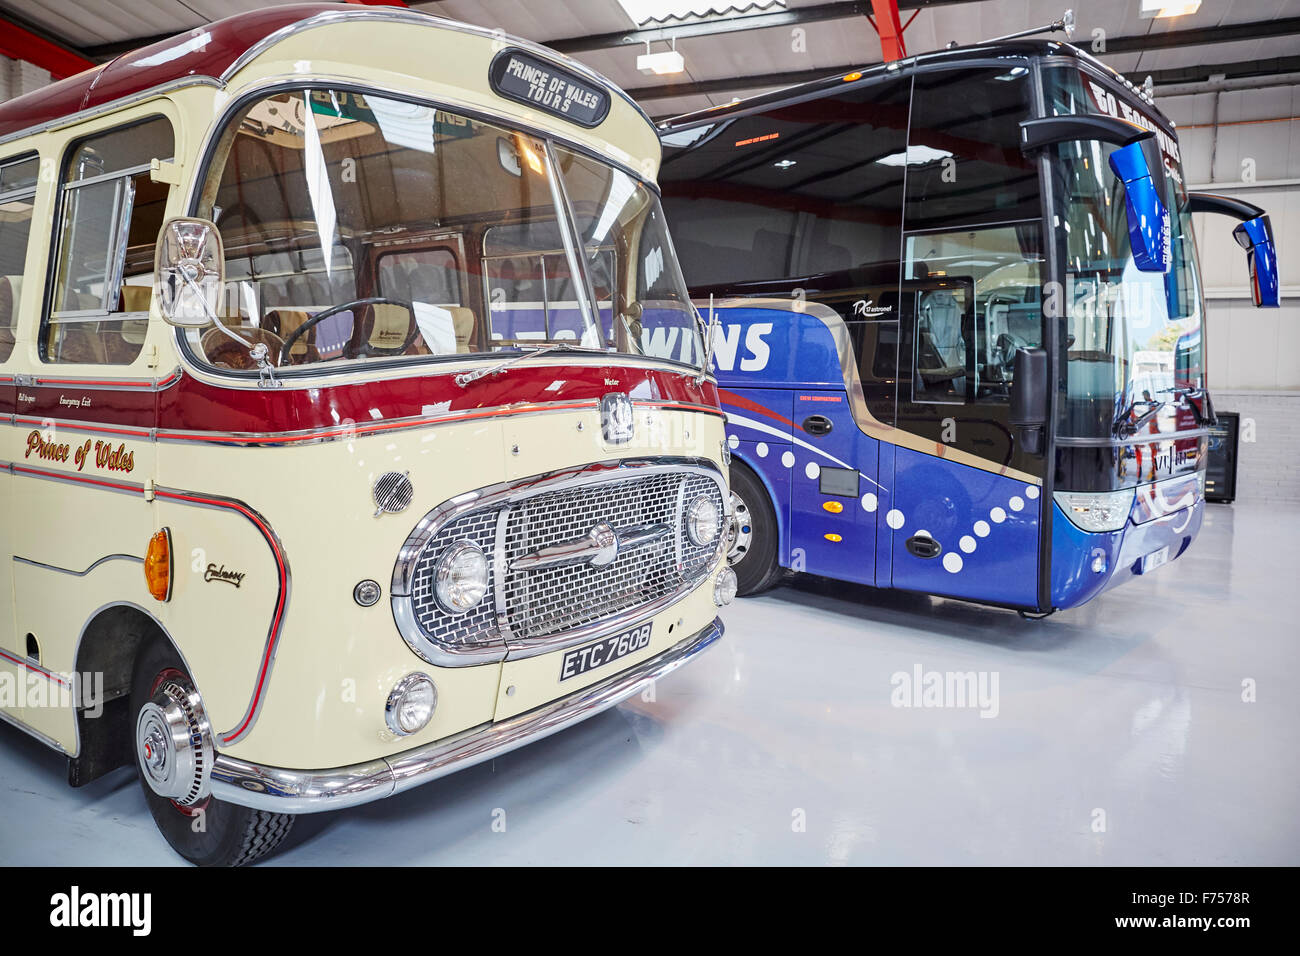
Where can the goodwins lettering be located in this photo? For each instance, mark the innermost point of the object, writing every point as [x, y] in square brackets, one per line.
[102, 453]
[214, 573]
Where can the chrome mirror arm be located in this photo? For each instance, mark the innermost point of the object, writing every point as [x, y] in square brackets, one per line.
[258, 352]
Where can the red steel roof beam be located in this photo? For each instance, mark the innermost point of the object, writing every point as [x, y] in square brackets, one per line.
[20, 44]
[890, 29]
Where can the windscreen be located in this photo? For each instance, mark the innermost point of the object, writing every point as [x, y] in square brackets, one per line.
[1134, 344]
[360, 229]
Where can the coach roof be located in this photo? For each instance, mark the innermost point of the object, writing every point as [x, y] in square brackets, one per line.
[211, 54]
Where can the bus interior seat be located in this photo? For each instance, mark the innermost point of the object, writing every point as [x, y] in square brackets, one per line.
[283, 323]
[940, 346]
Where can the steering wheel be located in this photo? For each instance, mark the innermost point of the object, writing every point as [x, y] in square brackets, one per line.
[1007, 345]
[365, 348]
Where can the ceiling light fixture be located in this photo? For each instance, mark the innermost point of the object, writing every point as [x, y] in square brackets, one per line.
[1164, 9]
[661, 64]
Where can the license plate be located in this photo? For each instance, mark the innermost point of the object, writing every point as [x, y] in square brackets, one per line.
[1155, 559]
[590, 656]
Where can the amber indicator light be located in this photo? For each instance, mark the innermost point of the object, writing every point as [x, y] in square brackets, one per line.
[835, 538]
[158, 565]
[834, 507]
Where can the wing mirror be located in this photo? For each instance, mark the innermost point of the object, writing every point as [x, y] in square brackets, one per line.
[1149, 233]
[189, 272]
[1255, 235]
[1030, 394]
[1136, 163]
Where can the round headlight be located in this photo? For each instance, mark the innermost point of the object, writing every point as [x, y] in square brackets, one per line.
[703, 521]
[411, 704]
[461, 577]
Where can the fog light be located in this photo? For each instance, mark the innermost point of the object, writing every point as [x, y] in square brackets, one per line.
[462, 577]
[724, 587]
[1099, 564]
[411, 704]
[703, 521]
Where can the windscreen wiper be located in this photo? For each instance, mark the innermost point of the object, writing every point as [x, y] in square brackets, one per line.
[1123, 428]
[1198, 400]
[464, 379]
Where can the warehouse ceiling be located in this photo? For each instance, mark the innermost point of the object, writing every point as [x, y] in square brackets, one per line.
[769, 43]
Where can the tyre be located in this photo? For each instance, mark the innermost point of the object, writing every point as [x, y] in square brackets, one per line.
[173, 755]
[752, 550]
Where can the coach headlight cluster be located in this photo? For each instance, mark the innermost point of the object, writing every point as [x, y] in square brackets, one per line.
[461, 577]
[703, 521]
[411, 704]
[1096, 511]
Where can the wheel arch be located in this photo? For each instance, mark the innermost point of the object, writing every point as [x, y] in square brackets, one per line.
[105, 656]
[782, 531]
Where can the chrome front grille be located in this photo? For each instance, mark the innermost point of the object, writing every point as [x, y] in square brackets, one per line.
[535, 605]
[549, 600]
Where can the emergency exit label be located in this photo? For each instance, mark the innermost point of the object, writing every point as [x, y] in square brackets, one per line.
[529, 79]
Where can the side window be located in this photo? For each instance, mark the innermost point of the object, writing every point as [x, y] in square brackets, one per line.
[973, 301]
[964, 163]
[111, 214]
[17, 195]
[802, 197]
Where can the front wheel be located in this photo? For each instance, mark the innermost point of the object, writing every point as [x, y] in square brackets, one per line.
[752, 548]
[173, 758]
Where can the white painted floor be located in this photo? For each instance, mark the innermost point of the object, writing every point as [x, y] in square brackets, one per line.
[781, 745]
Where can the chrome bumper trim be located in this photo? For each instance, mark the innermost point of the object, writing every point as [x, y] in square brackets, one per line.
[313, 791]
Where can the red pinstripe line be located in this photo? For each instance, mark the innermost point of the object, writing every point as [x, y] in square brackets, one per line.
[50, 675]
[277, 620]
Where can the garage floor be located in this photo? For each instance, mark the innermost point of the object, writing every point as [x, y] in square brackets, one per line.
[1120, 737]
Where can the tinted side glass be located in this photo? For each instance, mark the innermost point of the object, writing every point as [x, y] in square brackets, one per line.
[804, 196]
[964, 163]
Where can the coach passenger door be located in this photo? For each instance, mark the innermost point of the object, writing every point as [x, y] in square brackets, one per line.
[965, 514]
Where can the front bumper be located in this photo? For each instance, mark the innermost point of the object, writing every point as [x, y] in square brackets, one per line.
[312, 791]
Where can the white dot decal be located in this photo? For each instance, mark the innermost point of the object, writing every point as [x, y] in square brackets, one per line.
[894, 519]
[733, 442]
[967, 543]
[787, 459]
[869, 502]
[812, 470]
[761, 449]
[998, 515]
[982, 528]
[952, 562]
[1031, 492]
[1017, 503]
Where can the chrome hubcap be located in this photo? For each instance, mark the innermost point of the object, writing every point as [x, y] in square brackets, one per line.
[741, 535]
[173, 742]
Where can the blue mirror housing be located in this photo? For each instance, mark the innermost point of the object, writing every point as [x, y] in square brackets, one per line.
[1256, 237]
[1148, 219]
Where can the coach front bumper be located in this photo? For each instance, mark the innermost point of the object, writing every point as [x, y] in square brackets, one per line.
[312, 791]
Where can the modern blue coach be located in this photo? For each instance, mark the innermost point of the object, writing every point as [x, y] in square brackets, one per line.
[959, 323]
